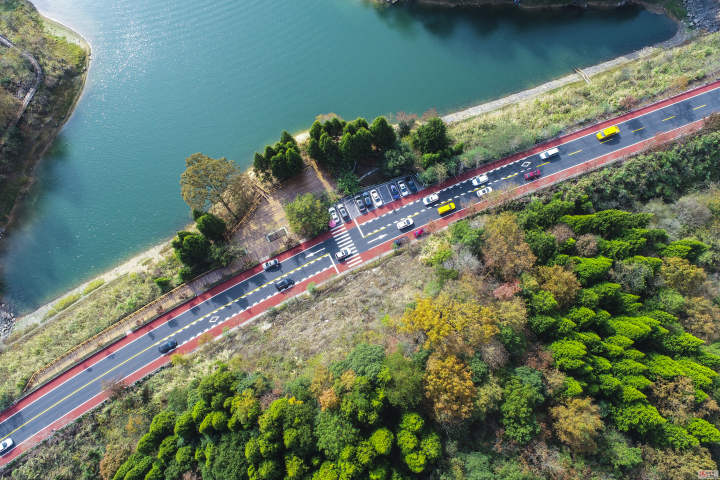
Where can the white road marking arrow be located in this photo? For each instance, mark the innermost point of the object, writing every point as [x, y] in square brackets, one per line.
[308, 255]
[214, 318]
[378, 237]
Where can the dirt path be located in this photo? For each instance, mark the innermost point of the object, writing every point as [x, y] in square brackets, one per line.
[30, 94]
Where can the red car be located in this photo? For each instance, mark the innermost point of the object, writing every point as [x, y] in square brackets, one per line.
[532, 174]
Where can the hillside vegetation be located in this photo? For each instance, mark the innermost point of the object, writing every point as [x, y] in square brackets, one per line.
[63, 64]
[570, 338]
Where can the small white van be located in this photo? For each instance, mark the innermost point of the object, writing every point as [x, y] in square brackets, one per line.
[549, 153]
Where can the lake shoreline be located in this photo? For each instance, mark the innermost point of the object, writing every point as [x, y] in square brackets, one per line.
[601, 4]
[154, 252]
[34, 153]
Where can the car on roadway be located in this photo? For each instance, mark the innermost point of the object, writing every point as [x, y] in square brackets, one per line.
[6, 445]
[550, 153]
[479, 180]
[403, 188]
[368, 200]
[405, 223]
[445, 208]
[168, 346]
[343, 254]
[376, 198]
[430, 199]
[411, 184]
[284, 284]
[532, 174]
[607, 132]
[271, 264]
[333, 216]
[343, 212]
[484, 191]
[360, 203]
[394, 191]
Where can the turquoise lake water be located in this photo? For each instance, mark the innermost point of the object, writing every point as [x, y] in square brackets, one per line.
[224, 77]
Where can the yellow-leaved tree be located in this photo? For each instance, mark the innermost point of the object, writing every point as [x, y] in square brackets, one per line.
[506, 250]
[449, 325]
[449, 386]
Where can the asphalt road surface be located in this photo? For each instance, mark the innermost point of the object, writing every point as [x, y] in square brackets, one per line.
[359, 235]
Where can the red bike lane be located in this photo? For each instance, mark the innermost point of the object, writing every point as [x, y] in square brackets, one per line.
[372, 253]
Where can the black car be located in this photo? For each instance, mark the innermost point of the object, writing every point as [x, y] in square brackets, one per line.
[368, 200]
[411, 184]
[360, 203]
[167, 346]
[284, 284]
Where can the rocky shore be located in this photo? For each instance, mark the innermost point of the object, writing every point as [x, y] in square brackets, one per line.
[7, 320]
[703, 14]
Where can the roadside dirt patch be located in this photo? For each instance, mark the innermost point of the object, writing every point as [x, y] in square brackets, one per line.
[270, 216]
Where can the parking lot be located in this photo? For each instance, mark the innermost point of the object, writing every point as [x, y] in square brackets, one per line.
[384, 190]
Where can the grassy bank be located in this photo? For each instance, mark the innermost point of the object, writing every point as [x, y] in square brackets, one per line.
[79, 317]
[64, 64]
[519, 126]
[301, 339]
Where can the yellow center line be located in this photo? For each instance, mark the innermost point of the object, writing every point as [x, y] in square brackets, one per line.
[701, 106]
[155, 344]
[543, 164]
[509, 176]
[606, 140]
[638, 129]
[573, 153]
[669, 118]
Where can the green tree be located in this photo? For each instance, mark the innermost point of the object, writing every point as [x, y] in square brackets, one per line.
[397, 161]
[383, 133]
[212, 227]
[192, 249]
[348, 183]
[431, 137]
[518, 415]
[356, 147]
[316, 130]
[308, 215]
[330, 156]
[405, 387]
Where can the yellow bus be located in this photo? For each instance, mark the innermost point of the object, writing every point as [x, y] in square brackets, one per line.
[448, 207]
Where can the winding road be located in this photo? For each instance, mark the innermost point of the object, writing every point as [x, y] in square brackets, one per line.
[368, 236]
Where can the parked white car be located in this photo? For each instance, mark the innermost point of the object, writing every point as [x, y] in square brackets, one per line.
[377, 201]
[405, 223]
[333, 215]
[479, 180]
[430, 199]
